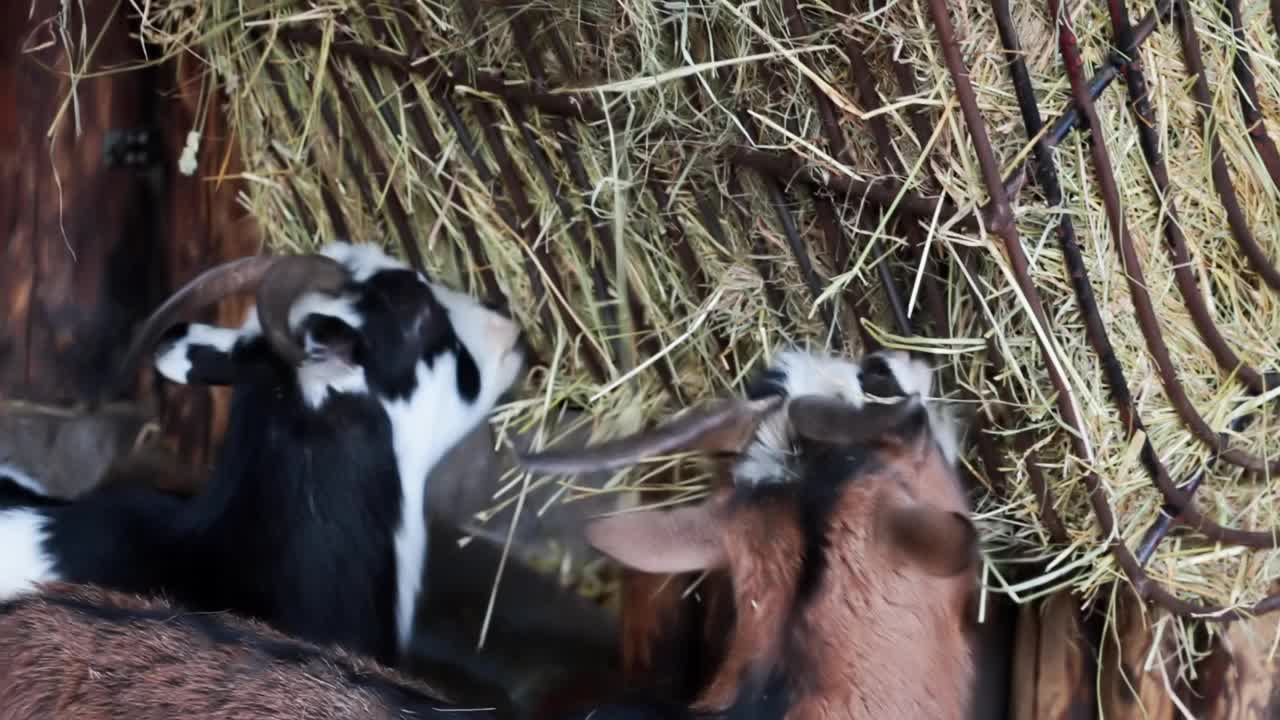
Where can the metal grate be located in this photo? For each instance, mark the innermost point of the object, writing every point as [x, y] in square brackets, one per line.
[782, 172]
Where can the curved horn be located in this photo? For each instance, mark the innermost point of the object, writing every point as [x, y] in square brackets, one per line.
[202, 291]
[838, 422]
[285, 281]
[720, 426]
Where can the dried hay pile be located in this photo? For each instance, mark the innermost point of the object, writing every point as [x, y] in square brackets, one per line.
[570, 154]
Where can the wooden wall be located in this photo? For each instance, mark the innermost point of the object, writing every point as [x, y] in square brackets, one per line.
[89, 249]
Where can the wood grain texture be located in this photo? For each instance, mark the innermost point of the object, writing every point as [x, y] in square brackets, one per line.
[1132, 683]
[90, 249]
[1052, 678]
[201, 224]
[69, 221]
[1238, 681]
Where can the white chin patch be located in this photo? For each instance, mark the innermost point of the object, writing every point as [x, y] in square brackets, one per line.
[318, 378]
[23, 562]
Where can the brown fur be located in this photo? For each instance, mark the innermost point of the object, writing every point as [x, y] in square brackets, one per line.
[882, 638]
[60, 662]
[884, 634]
[672, 642]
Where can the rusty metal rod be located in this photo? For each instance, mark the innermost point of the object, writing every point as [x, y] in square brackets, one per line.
[1248, 89]
[1176, 242]
[1236, 220]
[1095, 329]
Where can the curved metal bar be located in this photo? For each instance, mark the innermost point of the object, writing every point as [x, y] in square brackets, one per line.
[1095, 329]
[1176, 241]
[1134, 276]
[1236, 220]
[835, 138]
[1249, 106]
[1009, 234]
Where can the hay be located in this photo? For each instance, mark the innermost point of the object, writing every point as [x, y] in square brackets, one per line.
[642, 204]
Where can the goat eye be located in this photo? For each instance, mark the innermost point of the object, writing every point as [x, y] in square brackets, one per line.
[878, 379]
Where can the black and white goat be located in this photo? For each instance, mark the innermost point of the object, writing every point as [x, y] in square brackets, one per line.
[351, 378]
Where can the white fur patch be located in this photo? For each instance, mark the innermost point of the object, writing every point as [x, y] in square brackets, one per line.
[808, 373]
[22, 479]
[424, 426]
[429, 422]
[173, 362]
[341, 307]
[363, 260]
[915, 377]
[23, 562]
[803, 373]
[316, 380]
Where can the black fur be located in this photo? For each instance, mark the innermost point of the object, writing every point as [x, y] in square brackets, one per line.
[295, 526]
[14, 495]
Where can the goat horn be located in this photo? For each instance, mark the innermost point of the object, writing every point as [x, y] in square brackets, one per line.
[288, 279]
[721, 426]
[839, 422]
[203, 290]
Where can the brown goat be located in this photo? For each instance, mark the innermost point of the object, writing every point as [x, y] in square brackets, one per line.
[846, 540]
[74, 651]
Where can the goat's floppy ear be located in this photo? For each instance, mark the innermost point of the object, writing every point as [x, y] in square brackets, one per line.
[656, 541]
[943, 543]
[196, 354]
[839, 422]
[724, 426]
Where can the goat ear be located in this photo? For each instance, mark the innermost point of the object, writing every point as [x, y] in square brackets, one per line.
[656, 541]
[940, 542]
[722, 426]
[196, 354]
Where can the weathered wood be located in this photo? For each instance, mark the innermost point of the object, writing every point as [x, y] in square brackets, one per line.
[91, 249]
[993, 641]
[73, 260]
[1240, 680]
[1132, 684]
[200, 225]
[1051, 669]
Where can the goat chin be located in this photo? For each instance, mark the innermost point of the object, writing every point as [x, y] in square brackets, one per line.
[313, 518]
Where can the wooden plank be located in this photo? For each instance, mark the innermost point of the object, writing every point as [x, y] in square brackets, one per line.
[1132, 683]
[1240, 680]
[1051, 669]
[92, 249]
[200, 225]
[68, 218]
